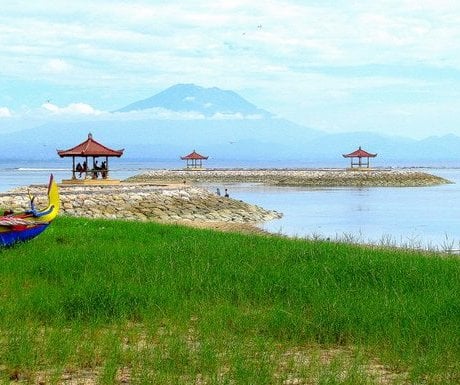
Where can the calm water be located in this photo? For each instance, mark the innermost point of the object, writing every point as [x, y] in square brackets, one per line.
[422, 216]
[13, 174]
[418, 217]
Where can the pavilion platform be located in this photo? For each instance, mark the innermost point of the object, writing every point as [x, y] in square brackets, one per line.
[91, 182]
[194, 168]
[360, 169]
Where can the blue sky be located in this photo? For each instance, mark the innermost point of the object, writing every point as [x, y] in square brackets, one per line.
[391, 67]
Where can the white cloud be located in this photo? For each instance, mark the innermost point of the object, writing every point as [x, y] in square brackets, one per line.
[72, 109]
[5, 112]
[82, 110]
[158, 113]
[207, 39]
[234, 116]
[165, 114]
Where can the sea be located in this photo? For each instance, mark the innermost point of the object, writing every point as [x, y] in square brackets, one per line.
[414, 217]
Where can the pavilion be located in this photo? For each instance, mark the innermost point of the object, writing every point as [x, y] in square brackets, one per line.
[90, 148]
[359, 154]
[194, 160]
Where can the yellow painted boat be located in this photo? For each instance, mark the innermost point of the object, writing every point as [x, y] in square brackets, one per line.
[30, 223]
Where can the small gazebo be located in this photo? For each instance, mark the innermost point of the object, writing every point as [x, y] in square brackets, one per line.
[194, 160]
[361, 156]
[90, 148]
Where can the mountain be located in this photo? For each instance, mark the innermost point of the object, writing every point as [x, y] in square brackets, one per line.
[169, 139]
[221, 123]
[206, 101]
[227, 128]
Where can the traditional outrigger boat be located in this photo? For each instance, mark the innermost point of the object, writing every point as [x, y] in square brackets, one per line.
[30, 223]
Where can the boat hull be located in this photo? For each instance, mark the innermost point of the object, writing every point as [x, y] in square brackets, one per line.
[10, 237]
[21, 227]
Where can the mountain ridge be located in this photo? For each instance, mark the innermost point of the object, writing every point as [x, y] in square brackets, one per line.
[265, 138]
[190, 97]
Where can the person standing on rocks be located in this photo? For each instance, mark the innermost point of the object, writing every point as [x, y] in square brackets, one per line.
[226, 193]
[218, 191]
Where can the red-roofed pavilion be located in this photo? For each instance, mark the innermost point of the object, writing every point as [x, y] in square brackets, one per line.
[194, 160]
[90, 148]
[359, 154]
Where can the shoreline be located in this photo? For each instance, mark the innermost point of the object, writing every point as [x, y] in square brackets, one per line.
[173, 204]
[176, 197]
[290, 177]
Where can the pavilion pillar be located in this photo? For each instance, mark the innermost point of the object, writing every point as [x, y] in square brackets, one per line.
[73, 168]
[106, 167]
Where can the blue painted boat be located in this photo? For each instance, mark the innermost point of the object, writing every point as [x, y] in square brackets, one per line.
[28, 224]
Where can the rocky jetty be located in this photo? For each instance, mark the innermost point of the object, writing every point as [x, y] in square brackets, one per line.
[142, 202]
[297, 177]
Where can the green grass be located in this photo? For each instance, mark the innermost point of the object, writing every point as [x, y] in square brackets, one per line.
[169, 304]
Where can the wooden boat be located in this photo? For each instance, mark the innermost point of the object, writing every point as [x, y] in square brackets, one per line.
[30, 223]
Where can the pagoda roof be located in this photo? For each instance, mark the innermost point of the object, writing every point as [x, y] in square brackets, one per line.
[90, 147]
[193, 155]
[359, 153]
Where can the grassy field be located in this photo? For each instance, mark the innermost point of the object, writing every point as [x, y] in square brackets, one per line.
[106, 302]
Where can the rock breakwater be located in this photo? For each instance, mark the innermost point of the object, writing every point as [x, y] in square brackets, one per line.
[143, 203]
[297, 177]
